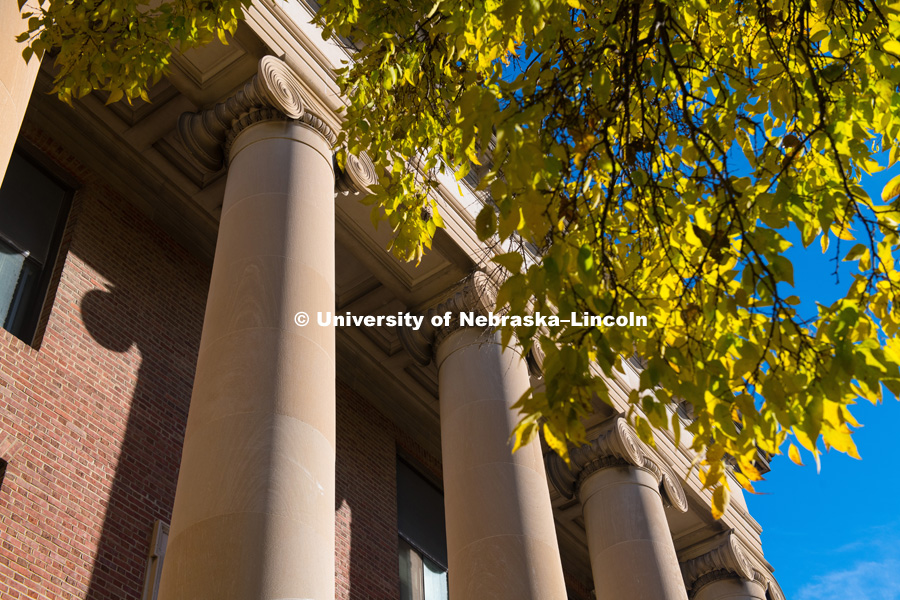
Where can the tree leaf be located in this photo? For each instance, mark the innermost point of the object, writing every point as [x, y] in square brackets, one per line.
[794, 455]
[511, 261]
[486, 223]
[720, 499]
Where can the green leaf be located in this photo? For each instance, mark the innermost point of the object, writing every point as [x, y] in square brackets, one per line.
[644, 431]
[486, 223]
[783, 269]
[511, 261]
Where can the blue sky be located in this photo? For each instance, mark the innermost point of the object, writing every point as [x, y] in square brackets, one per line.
[836, 534]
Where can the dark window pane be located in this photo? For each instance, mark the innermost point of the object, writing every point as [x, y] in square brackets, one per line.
[420, 511]
[33, 210]
[19, 284]
[30, 205]
[11, 263]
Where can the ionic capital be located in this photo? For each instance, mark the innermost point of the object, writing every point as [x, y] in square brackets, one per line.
[477, 295]
[358, 175]
[274, 92]
[774, 590]
[617, 445]
[726, 559]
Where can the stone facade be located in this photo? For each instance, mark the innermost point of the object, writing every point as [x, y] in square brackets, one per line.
[169, 398]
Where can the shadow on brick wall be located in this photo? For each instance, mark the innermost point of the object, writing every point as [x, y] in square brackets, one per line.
[144, 310]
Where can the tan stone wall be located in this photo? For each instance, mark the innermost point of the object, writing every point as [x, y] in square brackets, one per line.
[16, 80]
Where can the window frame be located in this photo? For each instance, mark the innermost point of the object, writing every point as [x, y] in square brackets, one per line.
[416, 554]
[37, 312]
[156, 554]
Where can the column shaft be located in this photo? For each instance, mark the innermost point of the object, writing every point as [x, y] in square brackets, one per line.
[254, 509]
[16, 80]
[631, 548]
[501, 539]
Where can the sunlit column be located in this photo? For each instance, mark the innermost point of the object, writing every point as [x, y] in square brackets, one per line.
[723, 572]
[631, 548]
[501, 539]
[254, 508]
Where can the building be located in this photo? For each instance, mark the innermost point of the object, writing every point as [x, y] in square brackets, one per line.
[169, 429]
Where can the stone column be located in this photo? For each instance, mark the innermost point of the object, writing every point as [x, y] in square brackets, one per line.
[723, 571]
[16, 80]
[631, 548]
[254, 507]
[501, 539]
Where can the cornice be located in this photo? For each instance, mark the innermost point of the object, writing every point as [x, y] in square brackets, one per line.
[616, 445]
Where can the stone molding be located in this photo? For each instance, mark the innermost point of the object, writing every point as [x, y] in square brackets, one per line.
[273, 93]
[617, 445]
[726, 559]
[477, 294]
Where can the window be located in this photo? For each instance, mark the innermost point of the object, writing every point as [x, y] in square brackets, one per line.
[423, 538]
[157, 553]
[3, 464]
[33, 212]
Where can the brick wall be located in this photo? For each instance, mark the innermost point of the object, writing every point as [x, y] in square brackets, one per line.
[92, 423]
[366, 536]
[365, 502]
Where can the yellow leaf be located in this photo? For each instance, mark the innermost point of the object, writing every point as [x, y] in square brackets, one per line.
[556, 444]
[511, 261]
[523, 433]
[842, 233]
[115, 95]
[744, 482]
[805, 440]
[720, 498]
[794, 455]
[891, 190]
[840, 440]
[749, 470]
